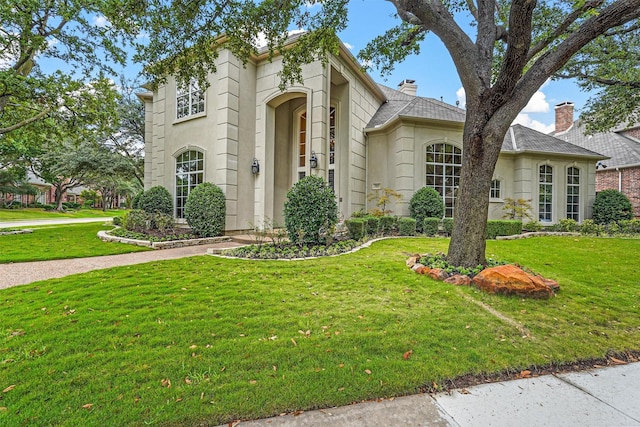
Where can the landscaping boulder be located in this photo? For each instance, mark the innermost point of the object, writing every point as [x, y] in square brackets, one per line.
[438, 274]
[512, 280]
[412, 260]
[458, 280]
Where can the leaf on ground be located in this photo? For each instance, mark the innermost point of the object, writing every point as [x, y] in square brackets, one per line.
[524, 374]
[341, 365]
[253, 382]
[3, 408]
[8, 389]
[464, 391]
[294, 342]
[166, 382]
[306, 333]
[193, 346]
[407, 355]
[367, 371]
[295, 414]
[187, 380]
[87, 405]
[617, 361]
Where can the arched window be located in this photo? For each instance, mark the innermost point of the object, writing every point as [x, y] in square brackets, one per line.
[302, 145]
[573, 193]
[545, 195]
[443, 165]
[189, 173]
[332, 148]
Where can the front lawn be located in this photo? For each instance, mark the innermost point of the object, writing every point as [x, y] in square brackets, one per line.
[60, 242]
[38, 213]
[205, 340]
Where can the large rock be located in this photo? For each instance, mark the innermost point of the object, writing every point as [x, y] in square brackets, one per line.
[512, 280]
[458, 280]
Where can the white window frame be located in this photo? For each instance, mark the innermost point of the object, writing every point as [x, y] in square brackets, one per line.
[194, 177]
[573, 190]
[545, 195]
[442, 176]
[190, 101]
[495, 193]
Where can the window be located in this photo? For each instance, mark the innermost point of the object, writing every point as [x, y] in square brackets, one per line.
[573, 193]
[189, 100]
[495, 189]
[302, 145]
[332, 147]
[443, 165]
[189, 173]
[545, 196]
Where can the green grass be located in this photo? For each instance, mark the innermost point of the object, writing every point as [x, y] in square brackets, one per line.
[60, 242]
[37, 213]
[209, 340]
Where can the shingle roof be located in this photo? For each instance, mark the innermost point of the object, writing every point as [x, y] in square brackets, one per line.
[402, 105]
[621, 150]
[523, 139]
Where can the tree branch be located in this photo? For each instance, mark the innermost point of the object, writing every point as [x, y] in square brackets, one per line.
[24, 122]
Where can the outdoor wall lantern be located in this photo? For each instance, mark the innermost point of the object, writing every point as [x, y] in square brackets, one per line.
[313, 160]
[600, 165]
[255, 166]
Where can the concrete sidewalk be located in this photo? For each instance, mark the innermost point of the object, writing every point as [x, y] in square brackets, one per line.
[600, 397]
[58, 221]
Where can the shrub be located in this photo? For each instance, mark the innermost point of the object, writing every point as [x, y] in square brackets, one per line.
[156, 200]
[589, 226]
[373, 225]
[517, 209]
[205, 210]
[631, 226]
[162, 222]
[532, 226]
[568, 224]
[447, 226]
[611, 206]
[426, 203]
[503, 228]
[310, 210]
[356, 228]
[407, 226]
[430, 226]
[135, 202]
[382, 200]
[388, 224]
[117, 220]
[136, 220]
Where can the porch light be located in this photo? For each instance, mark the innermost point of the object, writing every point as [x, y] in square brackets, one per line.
[255, 166]
[313, 160]
[600, 165]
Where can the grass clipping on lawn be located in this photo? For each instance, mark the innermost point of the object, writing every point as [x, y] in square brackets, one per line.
[211, 340]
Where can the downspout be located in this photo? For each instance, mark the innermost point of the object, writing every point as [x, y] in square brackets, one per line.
[619, 179]
[366, 166]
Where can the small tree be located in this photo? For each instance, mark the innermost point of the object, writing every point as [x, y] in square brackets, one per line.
[517, 209]
[382, 200]
[425, 203]
[205, 210]
[611, 206]
[310, 211]
[156, 200]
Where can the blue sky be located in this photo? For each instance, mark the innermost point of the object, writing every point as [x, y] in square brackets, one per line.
[432, 70]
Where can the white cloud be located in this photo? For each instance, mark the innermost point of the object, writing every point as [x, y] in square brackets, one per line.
[261, 40]
[462, 97]
[101, 21]
[311, 4]
[348, 45]
[525, 120]
[537, 104]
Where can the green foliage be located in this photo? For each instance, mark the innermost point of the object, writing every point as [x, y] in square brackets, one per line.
[517, 209]
[430, 226]
[135, 202]
[310, 211]
[589, 226]
[503, 228]
[156, 200]
[568, 225]
[439, 260]
[407, 226]
[447, 226]
[532, 226]
[136, 220]
[631, 226]
[162, 222]
[373, 225]
[356, 228]
[426, 203]
[382, 200]
[117, 220]
[611, 206]
[205, 210]
[388, 224]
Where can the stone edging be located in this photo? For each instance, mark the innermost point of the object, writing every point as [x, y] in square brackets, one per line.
[25, 231]
[536, 234]
[104, 236]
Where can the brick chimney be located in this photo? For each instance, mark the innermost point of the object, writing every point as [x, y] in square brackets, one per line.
[408, 87]
[564, 116]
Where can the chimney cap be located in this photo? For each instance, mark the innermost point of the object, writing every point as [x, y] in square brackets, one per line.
[564, 104]
[407, 81]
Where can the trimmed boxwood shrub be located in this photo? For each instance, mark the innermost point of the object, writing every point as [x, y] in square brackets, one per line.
[135, 202]
[447, 226]
[425, 203]
[356, 228]
[503, 228]
[310, 211]
[205, 210]
[156, 200]
[430, 226]
[611, 206]
[407, 226]
[373, 225]
[388, 224]
[631, 226]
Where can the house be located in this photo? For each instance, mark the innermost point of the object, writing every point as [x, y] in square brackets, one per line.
[621, 145]
[255, 142]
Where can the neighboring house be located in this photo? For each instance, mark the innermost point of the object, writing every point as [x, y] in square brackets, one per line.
[621, 145]
[255, 142]
[45, 193]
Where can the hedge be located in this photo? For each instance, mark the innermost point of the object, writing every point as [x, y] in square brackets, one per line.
[407, 226]
[503, 228]
[430, 226]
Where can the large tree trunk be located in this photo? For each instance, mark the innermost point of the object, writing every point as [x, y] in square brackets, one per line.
[58, 195]
[482, 141]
